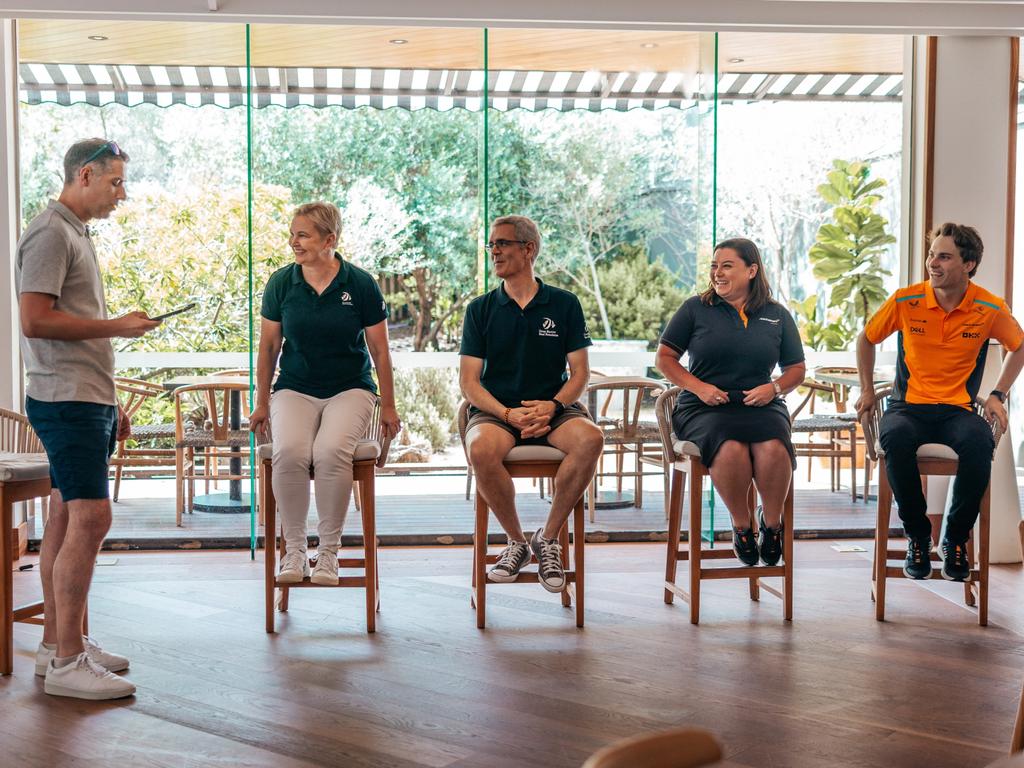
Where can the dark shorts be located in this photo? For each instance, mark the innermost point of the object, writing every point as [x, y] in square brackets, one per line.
[573, 411]
[79, 439]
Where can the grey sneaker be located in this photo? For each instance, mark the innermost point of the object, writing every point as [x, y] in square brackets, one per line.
[510, 562]
[549, 556]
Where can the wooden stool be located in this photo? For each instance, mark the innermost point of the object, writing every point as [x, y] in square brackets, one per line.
[23, 476]
[932, 459]
[686, 459]
[371, 452]
[677, 748]
[536, 461]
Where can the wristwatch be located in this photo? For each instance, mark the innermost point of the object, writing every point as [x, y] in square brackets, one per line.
[559, 408]
[777, 388]
[999, 394]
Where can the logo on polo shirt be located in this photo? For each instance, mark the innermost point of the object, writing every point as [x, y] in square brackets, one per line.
[915, 303]
[547, 328]
[346, 298]
[586, 331]
[774, 321]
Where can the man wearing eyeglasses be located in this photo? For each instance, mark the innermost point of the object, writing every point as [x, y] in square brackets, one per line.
[516, 342]
[72, 406]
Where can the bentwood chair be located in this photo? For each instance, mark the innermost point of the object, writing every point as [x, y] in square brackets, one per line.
[626, 431]
[932, 459]
[148, 452]
[837, 434]
[686, 460]
[534, 461]
[197, 446]
[371, 453]
[678, 748]
[24, 476]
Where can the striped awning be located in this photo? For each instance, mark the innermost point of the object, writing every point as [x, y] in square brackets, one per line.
[440, 89]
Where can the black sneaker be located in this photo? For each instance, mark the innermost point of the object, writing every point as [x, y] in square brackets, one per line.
[549, 558]
[918, 564]
[744, 545]
[510, 562]
[770, 542]
[955, 565]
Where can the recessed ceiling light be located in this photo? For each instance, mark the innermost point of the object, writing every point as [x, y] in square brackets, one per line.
[98, 37]
[648, 45]
[736, 61]
[398, 41]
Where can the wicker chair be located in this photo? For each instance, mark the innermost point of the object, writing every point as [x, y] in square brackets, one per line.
[932, 459]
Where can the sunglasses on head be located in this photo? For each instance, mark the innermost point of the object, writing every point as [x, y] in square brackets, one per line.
[109, 146]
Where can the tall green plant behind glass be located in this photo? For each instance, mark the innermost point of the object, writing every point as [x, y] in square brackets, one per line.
[847, 256]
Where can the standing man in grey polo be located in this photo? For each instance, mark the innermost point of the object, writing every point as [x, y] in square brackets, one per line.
[72, 405]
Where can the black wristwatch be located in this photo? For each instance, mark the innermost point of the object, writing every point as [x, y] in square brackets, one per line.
[999, 394]
[559, 408]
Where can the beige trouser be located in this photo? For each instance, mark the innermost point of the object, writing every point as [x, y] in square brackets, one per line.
[321, 434]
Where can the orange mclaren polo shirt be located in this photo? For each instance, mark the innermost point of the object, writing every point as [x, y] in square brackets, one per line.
[941, 356]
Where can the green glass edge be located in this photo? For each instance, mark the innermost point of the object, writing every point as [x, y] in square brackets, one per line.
[486, 159]
[252, 383]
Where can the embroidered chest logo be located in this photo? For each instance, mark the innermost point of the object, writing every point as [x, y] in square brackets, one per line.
[775, 321]
[346, 298]
[547, 328]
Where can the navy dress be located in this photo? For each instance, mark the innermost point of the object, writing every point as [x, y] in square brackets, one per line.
[733, 356]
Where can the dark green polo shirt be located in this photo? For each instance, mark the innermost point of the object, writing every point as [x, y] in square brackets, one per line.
[729, 353]
[524, 350]
[324, 350]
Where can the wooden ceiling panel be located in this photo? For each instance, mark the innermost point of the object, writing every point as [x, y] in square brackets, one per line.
[281, 45]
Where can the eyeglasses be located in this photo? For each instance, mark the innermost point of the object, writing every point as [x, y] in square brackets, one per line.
[110, 146]
[502, 244]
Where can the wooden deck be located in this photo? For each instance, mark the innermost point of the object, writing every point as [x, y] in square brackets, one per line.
[926, 689]
[422, 510]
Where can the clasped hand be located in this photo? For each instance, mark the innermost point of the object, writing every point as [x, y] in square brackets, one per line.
[758, 396]
[533, 418]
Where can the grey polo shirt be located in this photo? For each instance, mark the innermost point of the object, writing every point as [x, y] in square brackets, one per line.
[55, 256]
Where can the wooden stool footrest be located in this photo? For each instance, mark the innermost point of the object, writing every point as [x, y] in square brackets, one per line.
[707, 554]
[742, 572]
[343, 581]
[896, 571]
[24, 613]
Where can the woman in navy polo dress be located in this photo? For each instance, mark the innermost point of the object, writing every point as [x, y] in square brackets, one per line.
[730, 407]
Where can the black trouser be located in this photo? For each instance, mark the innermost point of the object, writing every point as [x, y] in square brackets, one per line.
[904, 428]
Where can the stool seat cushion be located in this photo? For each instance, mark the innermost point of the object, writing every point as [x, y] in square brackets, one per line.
[15, 467]
[534, 453]
[685, 448]
[366, 450]
[926, 451]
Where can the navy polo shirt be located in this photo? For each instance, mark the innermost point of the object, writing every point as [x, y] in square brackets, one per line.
[524, 350]
[727, 352]
[324, 349]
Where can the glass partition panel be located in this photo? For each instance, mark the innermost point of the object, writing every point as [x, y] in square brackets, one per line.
[596, 136]
[810, 130]
[172, 96]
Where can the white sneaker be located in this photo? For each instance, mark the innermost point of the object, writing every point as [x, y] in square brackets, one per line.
[83, 678]
[294, 568]
[325, 572]
[111, 662]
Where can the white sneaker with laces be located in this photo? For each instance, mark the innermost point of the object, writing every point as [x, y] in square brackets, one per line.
[83, 678]
[294, 567]
[111, 662]
[325, 572]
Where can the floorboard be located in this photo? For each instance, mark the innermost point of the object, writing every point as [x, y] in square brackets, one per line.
[928, 687]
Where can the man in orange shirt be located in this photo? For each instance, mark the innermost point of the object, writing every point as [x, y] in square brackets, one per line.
[944, 326]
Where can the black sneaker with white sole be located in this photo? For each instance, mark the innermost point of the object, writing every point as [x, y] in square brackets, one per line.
[770, 545]
[549, 558]
[955, 565]
[918, 564]
[510, 562]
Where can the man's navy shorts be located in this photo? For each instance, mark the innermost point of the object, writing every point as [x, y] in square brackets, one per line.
[79, 439]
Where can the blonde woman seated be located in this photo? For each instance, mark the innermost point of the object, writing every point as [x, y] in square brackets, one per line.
[730, 407]
[325, 318]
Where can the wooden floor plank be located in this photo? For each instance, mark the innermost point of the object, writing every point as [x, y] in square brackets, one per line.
[834, 687]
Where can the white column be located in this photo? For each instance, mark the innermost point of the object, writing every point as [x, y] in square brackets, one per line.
[10, 218]
[971, 160]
